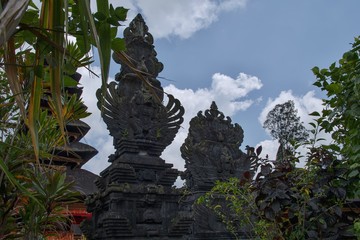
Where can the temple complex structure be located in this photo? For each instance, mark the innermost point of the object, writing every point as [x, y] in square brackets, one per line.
[136, 198]
[70, 159]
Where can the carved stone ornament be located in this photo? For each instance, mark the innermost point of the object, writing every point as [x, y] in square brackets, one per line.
[136, 199]
[133, 108]
[140, 123]
[139, 49]
[211, 150]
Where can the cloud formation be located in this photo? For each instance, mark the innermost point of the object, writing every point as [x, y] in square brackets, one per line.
[98, 136]
[227, 92]
[179, 18]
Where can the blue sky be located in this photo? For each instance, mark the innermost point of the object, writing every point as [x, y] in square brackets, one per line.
[245, 55]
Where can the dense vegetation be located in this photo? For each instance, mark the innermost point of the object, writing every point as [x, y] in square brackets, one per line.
[37, 62]
[285, 202]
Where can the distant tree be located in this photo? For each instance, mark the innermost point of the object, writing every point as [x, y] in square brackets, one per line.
[285, 126]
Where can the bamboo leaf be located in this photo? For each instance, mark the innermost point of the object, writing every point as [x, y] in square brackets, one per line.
[10, 18]
[104, 38]
[56, 72]
[34, 112]
[103, 54]
[84, 24]
[12, 75]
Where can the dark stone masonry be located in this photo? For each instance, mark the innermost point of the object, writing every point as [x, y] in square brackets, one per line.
[136, 198]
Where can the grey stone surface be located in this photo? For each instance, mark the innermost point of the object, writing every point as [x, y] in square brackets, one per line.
[136, 198]
[211, 152]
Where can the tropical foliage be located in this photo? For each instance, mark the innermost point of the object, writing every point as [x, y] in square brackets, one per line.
[284, 202]
[341, 113]
[33, 197]
[37, 54]
[37, 63]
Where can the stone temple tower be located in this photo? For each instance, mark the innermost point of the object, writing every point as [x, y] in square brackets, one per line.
[136, 199]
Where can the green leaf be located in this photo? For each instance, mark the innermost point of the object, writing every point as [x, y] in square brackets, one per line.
[103, 42]
[100, 16]
[113, 21]
[315, 114]
[353, 173]
[350, 56]
[39, 71]
[118, 44]
[315, 70]
[30, 17]
[15, 182]
[34, 112]
[69, 81]
[334, 147]
[33, 5]
[324, 71]
[332, 66]
[334, 88]
[317, 84]
[113, 32]
[112, 10]
[69, 68]
[121, 13]
[85, 24]
[355, 165]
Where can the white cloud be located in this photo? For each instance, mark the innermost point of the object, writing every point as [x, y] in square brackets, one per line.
[223, 90]
[180, 18]
[98, 136]
[304, 105]
[269, 148]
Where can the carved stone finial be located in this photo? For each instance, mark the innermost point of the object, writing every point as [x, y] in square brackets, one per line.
[211, 150]
[138, 29]
[140, 50]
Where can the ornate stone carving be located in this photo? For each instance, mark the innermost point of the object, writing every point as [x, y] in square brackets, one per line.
[140, 49]
[132, 108]
[136, 199]
[140, 120]
[211, 150]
